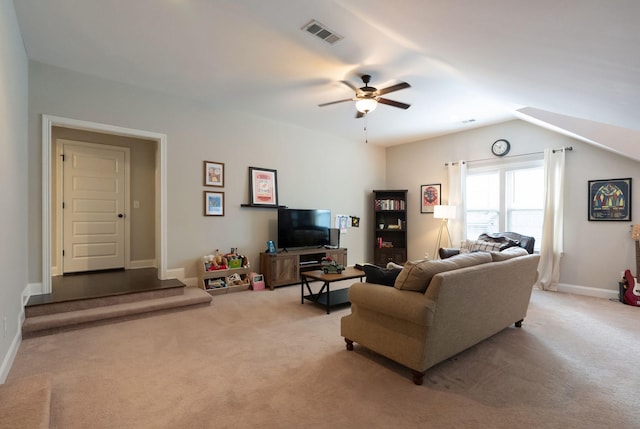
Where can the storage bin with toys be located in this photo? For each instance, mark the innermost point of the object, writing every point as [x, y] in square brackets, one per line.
[219, 274]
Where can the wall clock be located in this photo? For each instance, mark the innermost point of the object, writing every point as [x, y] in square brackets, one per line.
[500, 147]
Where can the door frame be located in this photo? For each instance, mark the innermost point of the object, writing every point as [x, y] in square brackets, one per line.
[48, 122]
[59, 200]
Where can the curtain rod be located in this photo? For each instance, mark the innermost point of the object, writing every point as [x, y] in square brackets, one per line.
[564, 149]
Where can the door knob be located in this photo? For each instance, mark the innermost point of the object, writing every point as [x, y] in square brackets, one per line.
[120, 215]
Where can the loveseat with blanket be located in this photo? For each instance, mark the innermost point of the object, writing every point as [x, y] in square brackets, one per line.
[436, 309]
[498, 241]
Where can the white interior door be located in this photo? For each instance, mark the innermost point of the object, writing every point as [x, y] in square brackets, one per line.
[93, 207]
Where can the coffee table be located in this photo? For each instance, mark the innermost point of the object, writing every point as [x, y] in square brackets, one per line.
[326, 296]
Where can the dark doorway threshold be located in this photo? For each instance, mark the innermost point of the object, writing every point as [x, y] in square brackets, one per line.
[103, 284]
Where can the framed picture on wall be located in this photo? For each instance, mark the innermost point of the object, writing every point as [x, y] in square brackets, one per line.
[610, 199]
[429, 197]
[263, 187]
[213, 173]
[213, 203]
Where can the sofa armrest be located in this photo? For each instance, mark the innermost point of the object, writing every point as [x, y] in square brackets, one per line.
[405, 305]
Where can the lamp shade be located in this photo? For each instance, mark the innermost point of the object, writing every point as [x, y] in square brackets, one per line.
[366, 105]
[444, 212]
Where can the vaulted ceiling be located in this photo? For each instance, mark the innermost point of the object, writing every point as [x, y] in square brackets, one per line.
[573, 64]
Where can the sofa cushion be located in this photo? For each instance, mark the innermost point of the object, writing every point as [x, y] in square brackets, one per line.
[381, 276]
[468, 246]
[416, 276]
[511, 252]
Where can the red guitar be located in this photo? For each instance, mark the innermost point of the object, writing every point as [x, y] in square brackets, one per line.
[631, 295]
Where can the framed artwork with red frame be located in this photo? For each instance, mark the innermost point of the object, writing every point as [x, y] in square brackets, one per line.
[429, 197]
[263, 187]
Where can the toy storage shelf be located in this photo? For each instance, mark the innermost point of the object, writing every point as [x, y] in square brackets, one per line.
[206, 278]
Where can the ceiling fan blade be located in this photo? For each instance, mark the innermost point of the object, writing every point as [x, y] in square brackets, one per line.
[359, 114]
[350, 85]
[396, 87]
[335, 102]
[393, 103]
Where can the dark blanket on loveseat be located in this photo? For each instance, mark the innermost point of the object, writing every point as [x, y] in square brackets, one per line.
[506, 239]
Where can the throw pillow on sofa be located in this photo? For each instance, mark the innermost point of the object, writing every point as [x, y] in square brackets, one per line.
[468, 246]
[381, 276]
[416, 276]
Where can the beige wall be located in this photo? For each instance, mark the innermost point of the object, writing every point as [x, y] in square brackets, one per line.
[315, 170]
[595, 252]
[14, 178]
[142, 187]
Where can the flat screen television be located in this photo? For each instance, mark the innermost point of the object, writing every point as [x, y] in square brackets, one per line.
[303, 228]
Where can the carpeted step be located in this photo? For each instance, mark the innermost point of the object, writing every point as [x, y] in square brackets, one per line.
[53, 323]
[26, 402]
[41, 309]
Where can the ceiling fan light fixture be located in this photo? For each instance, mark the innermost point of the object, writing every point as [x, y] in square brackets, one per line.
[366, 105]
[368, 97]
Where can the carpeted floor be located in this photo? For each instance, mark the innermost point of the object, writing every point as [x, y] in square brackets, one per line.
[261, 359]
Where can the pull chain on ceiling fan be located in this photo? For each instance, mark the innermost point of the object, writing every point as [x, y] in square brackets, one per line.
[368, 97]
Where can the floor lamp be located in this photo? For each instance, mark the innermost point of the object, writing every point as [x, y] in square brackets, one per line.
[445, 213]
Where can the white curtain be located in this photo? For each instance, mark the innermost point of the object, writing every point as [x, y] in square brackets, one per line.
[551, 248]
[457, 197]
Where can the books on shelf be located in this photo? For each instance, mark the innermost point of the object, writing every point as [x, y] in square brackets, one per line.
[385, 244]
[390, 204]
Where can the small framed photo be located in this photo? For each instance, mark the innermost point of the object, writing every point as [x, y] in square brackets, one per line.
[213, 203]
[263, 187]
[429, 197]
[610, 199]
[342, 223]
[213, 173]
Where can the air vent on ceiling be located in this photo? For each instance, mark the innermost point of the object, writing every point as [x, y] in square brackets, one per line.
[319, 30]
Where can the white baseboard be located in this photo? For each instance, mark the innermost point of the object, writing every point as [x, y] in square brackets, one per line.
[588, 291]
[7, 362]
[142, 263]
[8, 359]
[133, 265]
[30, 290]
[175, 273]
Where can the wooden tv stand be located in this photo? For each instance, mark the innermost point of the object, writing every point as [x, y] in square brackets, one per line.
[284, 267]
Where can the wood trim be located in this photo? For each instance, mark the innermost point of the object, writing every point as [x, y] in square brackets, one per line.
[48, 122]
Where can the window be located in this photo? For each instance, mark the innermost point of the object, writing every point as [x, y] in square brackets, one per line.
[506, 198]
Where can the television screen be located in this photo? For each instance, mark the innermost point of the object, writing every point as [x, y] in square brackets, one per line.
[303, 228]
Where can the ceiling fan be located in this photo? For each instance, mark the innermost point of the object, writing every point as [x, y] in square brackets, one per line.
[368, 97]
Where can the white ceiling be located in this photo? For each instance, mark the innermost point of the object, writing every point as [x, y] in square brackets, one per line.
[573, 62]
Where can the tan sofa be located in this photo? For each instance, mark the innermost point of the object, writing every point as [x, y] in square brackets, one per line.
[470, 302]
